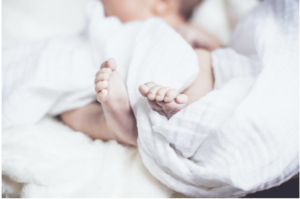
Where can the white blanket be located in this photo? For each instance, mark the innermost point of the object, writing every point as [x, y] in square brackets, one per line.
[242, 137]
[54, 75]
[57, 74]
[205, 150]
[50, 160]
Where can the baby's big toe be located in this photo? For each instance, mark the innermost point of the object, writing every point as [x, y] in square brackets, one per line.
[182, 99]
[143, 90]
[110, 63]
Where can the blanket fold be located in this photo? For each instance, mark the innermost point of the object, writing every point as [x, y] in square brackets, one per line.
[57, 74]
[44, 158]
[240, 138]
[243, 136]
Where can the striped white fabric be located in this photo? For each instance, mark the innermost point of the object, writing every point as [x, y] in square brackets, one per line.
[243, 136]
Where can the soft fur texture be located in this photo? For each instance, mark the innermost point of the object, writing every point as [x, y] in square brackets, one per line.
[51, 160]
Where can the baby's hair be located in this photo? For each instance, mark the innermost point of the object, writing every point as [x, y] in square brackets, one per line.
[186, 7]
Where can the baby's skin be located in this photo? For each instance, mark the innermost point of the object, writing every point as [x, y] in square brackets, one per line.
[114, 119]
[119, 118]
[168, 101]
[163, 100]
[112, 94]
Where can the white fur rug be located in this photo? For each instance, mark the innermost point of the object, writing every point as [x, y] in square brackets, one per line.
[51, 160]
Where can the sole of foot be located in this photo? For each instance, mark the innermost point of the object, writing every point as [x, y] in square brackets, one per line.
[112, 94]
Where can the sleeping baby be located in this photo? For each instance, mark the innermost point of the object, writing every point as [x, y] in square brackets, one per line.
[114, 119]
[175, 12]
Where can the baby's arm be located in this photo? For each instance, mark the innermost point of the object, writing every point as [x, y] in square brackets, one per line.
[168, 101]
[197, 37]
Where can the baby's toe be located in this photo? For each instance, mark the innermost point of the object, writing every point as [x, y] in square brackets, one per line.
[110, 63]
[101, 85]
[102, 77]
[171, 95]
[160, 95]
[105, 70]
[144, 89]
[150, 84]
[102, 95]
[152, 92]
[182, 99]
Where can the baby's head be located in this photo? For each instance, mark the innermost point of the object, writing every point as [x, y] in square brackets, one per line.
[172, 11]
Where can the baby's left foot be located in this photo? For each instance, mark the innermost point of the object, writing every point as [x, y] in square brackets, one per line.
[112, 94]
[163, 100]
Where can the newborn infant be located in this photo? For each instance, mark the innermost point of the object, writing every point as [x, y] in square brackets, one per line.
[112, 92]
[117, 120]
[175, 12]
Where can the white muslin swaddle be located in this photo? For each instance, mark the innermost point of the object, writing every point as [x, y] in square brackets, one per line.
[47, 159]
[57, 74]
[243, 136]
[240, 138]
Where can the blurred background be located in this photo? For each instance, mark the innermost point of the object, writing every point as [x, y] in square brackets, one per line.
[36, 19]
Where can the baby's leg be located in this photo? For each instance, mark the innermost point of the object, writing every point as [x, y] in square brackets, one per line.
[168, 102]
[112, 95]
[113, 119]
[90, 120]
[204, 83]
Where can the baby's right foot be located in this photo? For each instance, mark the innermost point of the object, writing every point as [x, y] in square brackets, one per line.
[163, 100]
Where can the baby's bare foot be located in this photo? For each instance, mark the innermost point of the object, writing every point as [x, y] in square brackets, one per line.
[163, 100]
[113, 97]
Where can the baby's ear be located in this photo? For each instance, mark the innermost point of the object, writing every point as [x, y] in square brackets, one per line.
[164, 7]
